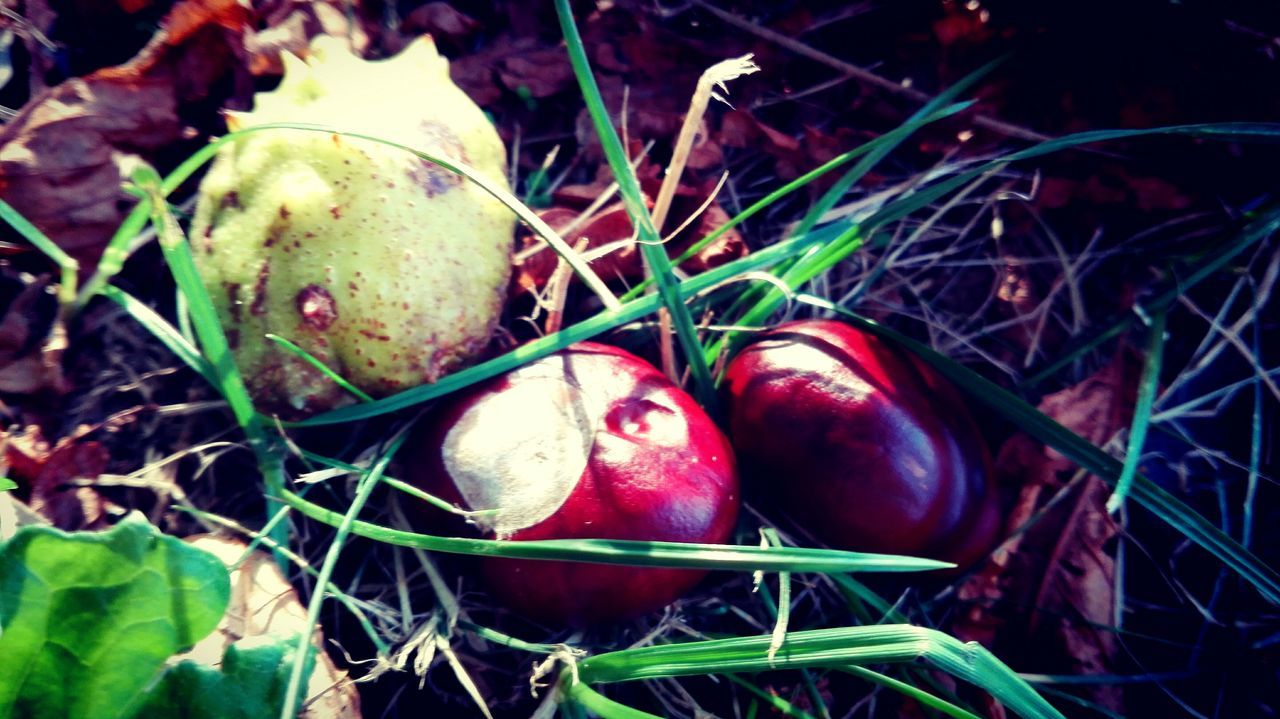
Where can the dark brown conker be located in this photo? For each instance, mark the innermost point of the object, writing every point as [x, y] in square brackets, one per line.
[861, 443]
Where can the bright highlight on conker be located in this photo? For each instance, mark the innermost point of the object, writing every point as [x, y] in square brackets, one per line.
[589, 443]
[861, 443]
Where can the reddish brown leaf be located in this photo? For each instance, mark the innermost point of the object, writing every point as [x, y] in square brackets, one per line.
[49, 474]
[64, 156]
[1051, 587]
[542, 73]
[289, 26]
[439, 19]
[612, 224]
[31, 337]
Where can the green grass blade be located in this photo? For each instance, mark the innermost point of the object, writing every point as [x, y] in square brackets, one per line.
[1147, 387]
[1085, 454]
[631, 553]
[213, 341]
[796, 184]
[895, 137]
[920, 695]
[163, 331]
[543, 346]
[67, 265]
[397, 484]
[818, 263]
[779, 704]
[1263, 226]
[324, 369]
[651, 246]
[895, 643]
[115, 253]
[600, 705]
[306, 643]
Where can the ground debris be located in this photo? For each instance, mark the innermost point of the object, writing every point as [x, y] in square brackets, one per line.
[1046, 598]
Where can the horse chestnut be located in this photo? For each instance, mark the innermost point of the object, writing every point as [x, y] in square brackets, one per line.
[862, 443]
[591, 442]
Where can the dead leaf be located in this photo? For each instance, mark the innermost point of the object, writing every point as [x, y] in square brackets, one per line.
[49, 474]
[440, 20]
[542, 73]
[1045, 597]
[289, 25]
[64, 156]
[263, 602]
[32, 338]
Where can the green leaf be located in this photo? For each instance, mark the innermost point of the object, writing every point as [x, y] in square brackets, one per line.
[251, 685]
[89, 618]
[7, 484]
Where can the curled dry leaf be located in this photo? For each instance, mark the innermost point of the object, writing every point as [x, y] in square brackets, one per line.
[32, 338]
[64, 156]
[289, 26]
[48, 475]
[263, 602]
[1050, 589]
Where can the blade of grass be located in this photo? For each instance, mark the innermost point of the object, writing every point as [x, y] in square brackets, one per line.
[397, 484]
[1266, 224]
[796, 184]
[600, 705]
[68, 267]
[819, 262]
[837, 191]
[1147, 387]
[1085, 454]
[895, 643]
[115, 253]
[651, 247]
[213, 342]
[382, 648]
[779, 704]
[543, 346]
[306, 645]
[324, 369]
[915, 693]
[163, 331]
[631, 553]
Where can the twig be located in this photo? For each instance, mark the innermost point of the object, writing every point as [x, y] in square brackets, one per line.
[859, 73]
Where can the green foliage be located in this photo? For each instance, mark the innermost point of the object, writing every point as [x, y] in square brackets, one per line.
[251, 684]
[89, 619]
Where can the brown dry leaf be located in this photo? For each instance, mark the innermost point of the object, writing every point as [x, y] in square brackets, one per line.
[32, 338]
[64, 156]
[289, 26]
[610, 225]
[1045, 597]
[440, 20]
[51, 473]
[263, 602]
[542, 73]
